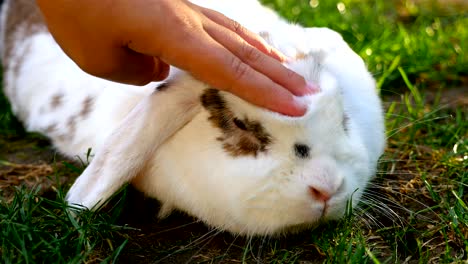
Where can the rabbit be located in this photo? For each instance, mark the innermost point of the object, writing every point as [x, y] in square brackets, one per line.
[231, 164]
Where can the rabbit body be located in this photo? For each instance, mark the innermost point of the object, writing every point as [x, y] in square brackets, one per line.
[209, 153]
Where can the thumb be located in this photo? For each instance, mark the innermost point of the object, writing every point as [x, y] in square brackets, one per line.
[160, 69]
[136, 68]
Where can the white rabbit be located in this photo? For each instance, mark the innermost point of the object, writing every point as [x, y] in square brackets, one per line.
[231, 164]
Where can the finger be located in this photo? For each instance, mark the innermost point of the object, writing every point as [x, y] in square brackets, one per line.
[223, 70]
[250, 37]
[277, 72]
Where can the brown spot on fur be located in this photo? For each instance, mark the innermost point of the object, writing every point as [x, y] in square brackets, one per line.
[50, 129]
[87, 107]
[15, 66]
[56, 101]
[240, 137]
[61, 137]
[71, 125]
[301, 55]
[23, 19]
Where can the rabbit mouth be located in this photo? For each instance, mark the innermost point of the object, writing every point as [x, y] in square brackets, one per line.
[240, 136]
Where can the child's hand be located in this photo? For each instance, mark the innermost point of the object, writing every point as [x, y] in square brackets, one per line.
[134, 41]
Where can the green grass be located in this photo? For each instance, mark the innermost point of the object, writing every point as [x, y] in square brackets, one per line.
[40, 227]
[426, 42]
[35, 229]
[416, 210]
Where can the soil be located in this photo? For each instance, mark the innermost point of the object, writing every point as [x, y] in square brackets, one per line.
[29, 160]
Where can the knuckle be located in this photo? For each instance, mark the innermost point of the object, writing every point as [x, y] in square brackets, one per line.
[237, 27]
[250, 53]
[239, 68]
[187, 28]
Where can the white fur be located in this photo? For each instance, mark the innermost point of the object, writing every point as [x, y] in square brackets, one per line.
[164, 144]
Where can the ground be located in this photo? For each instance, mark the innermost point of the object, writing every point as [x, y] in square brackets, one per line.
[415, 210]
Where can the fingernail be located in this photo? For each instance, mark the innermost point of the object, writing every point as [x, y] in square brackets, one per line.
[288, 59]
[312, 88]
[280, 55]
[302, 108]
[298, 109]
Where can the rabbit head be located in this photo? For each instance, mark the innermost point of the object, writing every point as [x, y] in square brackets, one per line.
[250, 171]
[244, 169]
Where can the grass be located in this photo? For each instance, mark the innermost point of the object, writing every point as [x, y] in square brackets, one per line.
[415, 211]
[424, 40]
[40, 230]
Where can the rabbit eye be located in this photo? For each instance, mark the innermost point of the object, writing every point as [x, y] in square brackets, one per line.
[301, 150]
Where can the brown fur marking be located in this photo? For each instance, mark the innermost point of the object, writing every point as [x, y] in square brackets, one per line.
[50, 129]
[61, 137]
[23, 19]
[71, 124]
[240, 137]
[301, 55]
[56, 101]
[87, 107]
[15, 66]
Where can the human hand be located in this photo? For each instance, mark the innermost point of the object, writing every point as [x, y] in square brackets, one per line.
[135, 41]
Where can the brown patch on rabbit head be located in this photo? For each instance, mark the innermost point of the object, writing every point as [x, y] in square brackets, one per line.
[240, 137]
[22, 20]
[301, 55]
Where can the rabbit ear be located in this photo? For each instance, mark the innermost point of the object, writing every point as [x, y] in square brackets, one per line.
[128, 148]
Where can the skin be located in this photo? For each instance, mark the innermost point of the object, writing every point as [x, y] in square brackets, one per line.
[135, 41]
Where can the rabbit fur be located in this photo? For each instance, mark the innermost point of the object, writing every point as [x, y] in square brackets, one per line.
[233, 165]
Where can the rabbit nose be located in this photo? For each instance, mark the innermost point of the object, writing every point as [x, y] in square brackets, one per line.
[322, 179]
[320, 194]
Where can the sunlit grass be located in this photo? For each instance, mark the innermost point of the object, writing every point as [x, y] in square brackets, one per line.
[425, 40]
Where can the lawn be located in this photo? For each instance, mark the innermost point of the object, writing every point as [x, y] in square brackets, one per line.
[415, 210]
